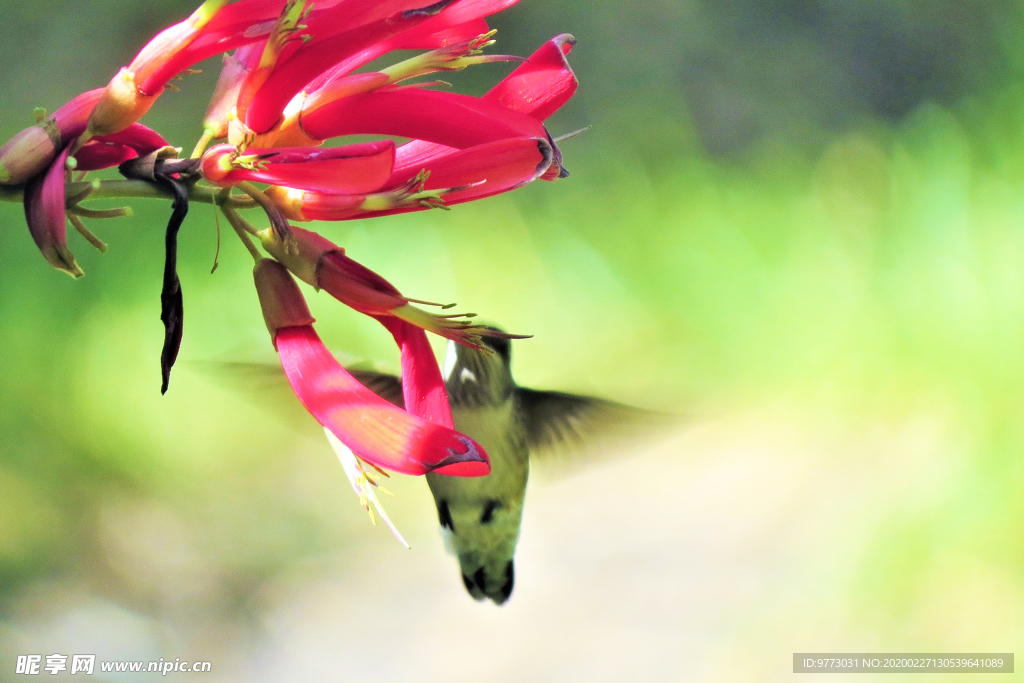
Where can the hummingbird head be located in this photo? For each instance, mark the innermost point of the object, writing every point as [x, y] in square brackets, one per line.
[479, 377]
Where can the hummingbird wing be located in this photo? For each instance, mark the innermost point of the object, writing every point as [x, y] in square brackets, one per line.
[265, 384]
[558, 423]
[388, 387]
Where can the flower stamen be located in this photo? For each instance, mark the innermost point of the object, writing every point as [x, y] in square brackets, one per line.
[451, 58]
[363, 485]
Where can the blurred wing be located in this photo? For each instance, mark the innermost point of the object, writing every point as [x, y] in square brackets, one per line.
[388, 387]
[581, 427]
[261, 385]
[264, 385]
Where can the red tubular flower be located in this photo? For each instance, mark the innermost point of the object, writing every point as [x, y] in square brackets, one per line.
[423, 389]
[451, 176]
[372, 428]
[537, 88]
[465, 148]
[291, 75]
[353, 168]
[324, 265]
[461, 21]
[542, 84]
[107, 151]
[132, 91]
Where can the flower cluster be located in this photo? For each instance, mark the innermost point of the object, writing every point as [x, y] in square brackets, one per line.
[298, 77]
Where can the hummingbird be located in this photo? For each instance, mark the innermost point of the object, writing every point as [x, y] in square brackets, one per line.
[480, 517]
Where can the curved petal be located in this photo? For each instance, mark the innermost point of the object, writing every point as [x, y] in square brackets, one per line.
[96, 155]
[138, 137]
[72, 117]
[372, 428]
[420, 153]
[486, 170]
[423, 389]
[292, 74]
[462, 20]
[356, 286]
[446, 118]
[107, 151]
[542, 84]
[536, 88]
[422, 37]
[46, 217]
[353, 169]
[299, 205]
[345, 86]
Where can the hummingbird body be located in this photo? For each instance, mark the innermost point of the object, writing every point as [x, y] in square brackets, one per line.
[480, 516]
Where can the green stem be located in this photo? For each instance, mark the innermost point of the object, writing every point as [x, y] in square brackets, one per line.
[87, 234]
[122, 212]
[208, 134]
[128, 189]
[243, 228]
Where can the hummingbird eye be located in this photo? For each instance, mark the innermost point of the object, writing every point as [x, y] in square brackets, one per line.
[499, 345]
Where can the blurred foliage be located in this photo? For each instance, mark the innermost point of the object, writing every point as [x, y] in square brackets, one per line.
[799, 202]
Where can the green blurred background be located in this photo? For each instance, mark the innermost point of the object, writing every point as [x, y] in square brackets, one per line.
[796, 222]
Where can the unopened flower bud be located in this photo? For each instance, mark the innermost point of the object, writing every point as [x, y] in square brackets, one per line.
[46, 217]
[28, 153]
[121, 105]
[304, 261]
[225, 94]
[282, 302]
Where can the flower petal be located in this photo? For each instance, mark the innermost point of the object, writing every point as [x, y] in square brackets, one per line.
[356, 286]
[293, 73]
[445, 118]
[106, 151]
[354, 169]
[462, 20]
[542, 84]
[459, 21]
[423, 389]
[45, 214]
[490, 168]
[422, 37]
[96, 155]
[372, 428]
[137, 136]
[197, 38]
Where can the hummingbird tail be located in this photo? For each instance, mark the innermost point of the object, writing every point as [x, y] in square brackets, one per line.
[485, 584]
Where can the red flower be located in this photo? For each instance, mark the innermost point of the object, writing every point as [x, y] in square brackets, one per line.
[463, 148]
[372, 428]
[288, 88]
[353, 168]
[324, 265]
[134, 89]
